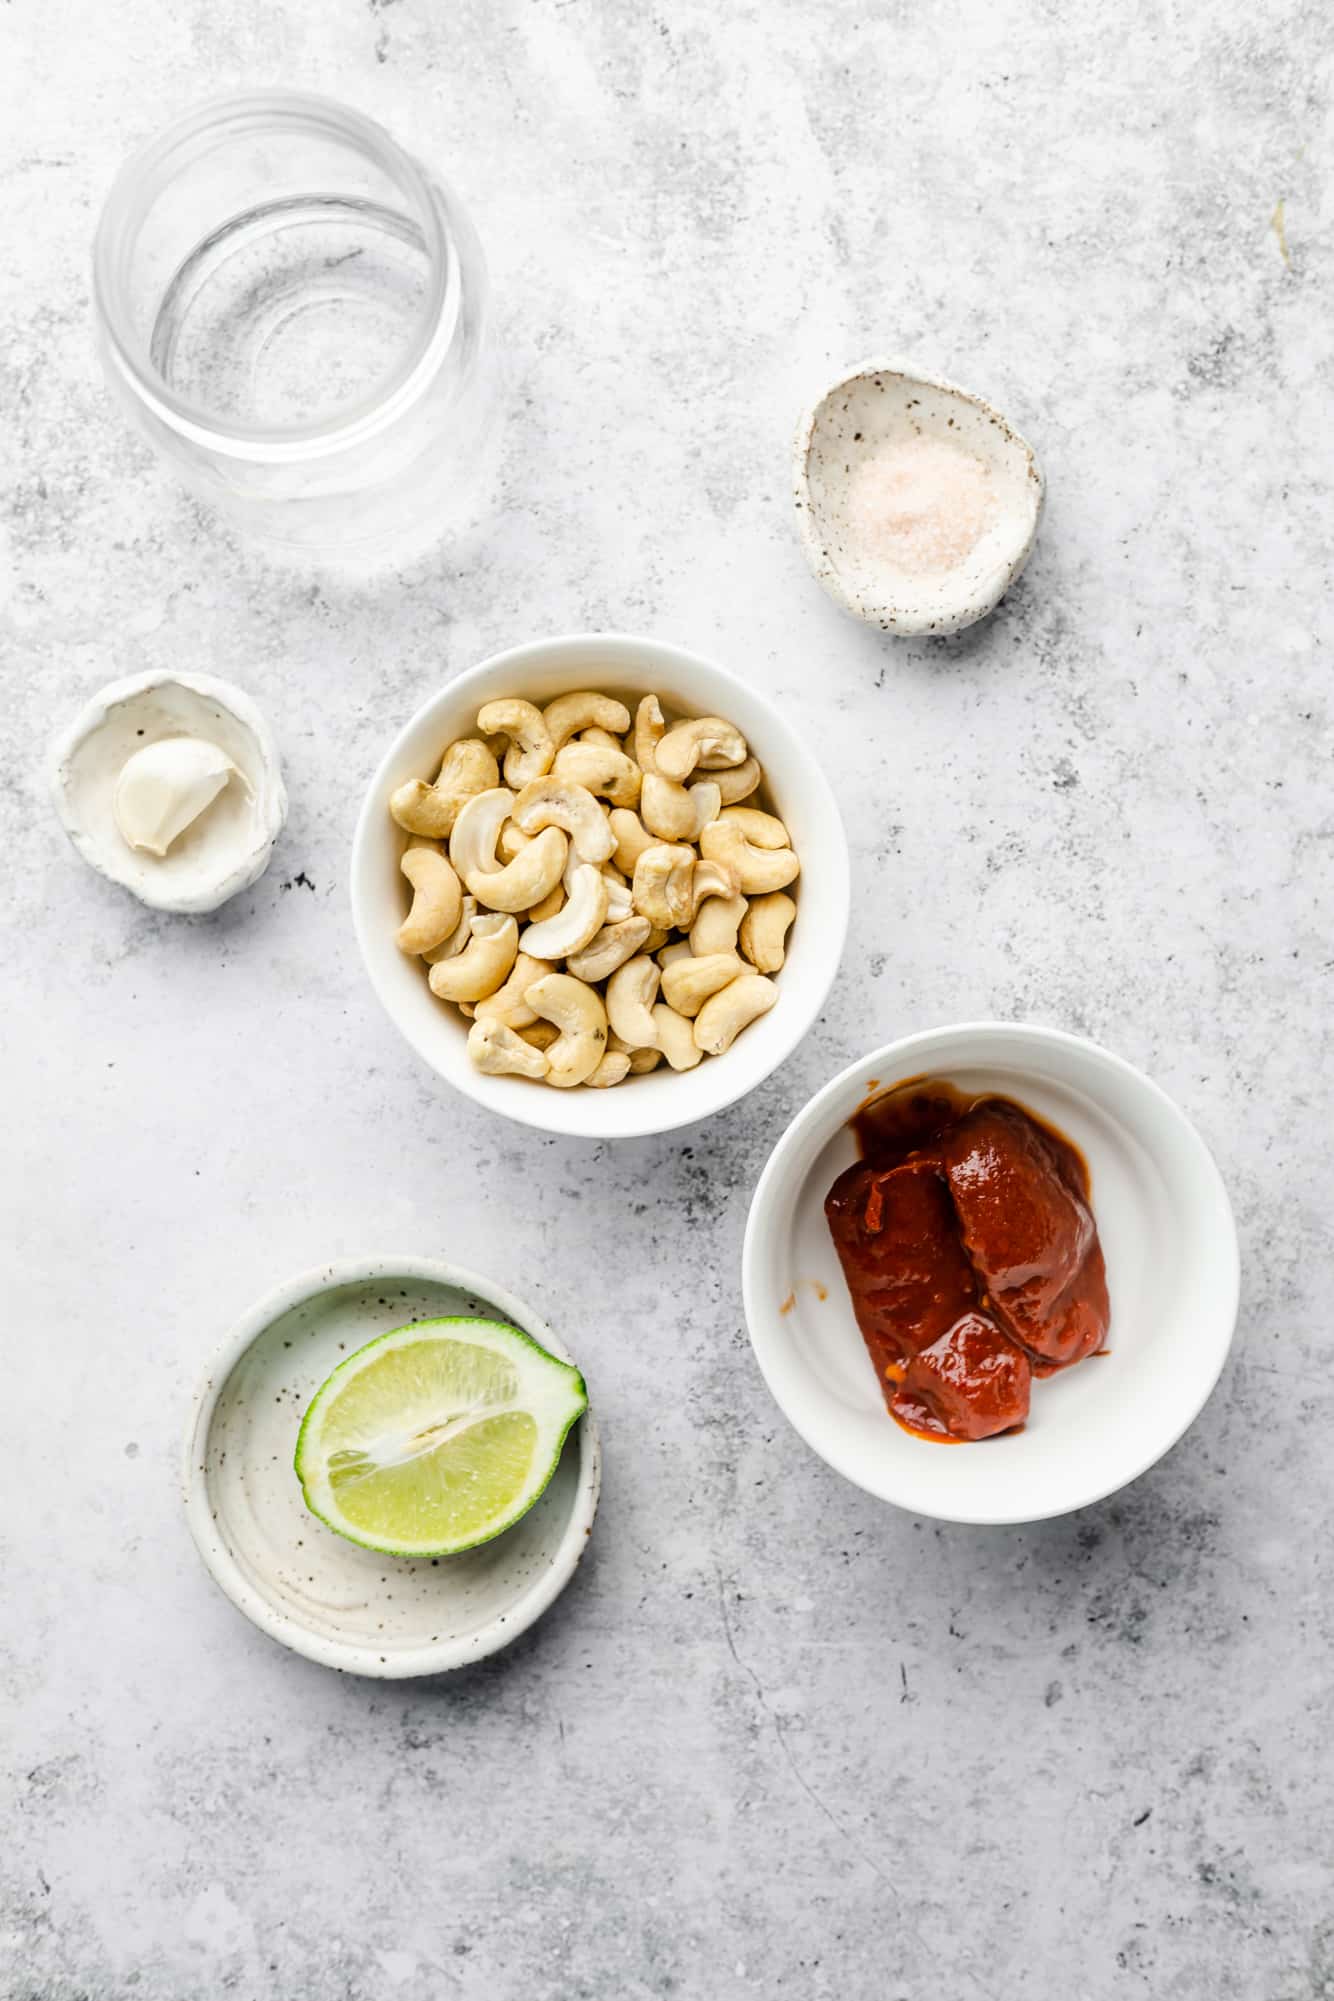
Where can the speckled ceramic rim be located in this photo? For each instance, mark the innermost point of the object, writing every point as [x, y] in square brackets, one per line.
[93, 715]
[826, 572]
[442, 1656]
[903, 1059]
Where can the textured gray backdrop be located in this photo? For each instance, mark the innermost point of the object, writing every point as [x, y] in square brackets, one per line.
[776, 1740]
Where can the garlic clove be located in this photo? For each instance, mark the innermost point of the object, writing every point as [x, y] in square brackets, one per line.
[165, 787]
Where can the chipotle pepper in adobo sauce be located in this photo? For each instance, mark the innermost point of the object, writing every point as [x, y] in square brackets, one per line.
[970, 1253]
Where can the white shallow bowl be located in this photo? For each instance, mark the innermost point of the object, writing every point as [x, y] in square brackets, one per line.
[890, 402]
[797, 788]
[229, 847]
[1172, 1273]
[338, 1604]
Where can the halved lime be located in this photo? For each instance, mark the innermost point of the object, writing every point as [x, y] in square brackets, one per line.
[436, 1437]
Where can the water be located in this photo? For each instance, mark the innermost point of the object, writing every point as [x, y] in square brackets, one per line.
[293, 311]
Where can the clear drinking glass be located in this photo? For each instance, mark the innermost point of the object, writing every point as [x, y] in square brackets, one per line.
[294, 314]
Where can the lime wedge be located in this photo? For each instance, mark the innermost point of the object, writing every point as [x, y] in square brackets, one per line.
[436, 1437]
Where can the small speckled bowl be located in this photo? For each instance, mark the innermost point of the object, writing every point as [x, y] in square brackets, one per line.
[338, 1604]
[890, 402]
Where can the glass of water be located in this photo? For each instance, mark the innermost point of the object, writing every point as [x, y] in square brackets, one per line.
[294, 313]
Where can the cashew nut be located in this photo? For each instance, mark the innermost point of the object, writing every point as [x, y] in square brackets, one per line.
[458, 937]
[507, 1004]
[530, 747]
[533, 874]
[541, 1035]
[675, 814]
[706, 740]
[501, 1053]
[512, 841]
[581, 916]
[613, 1069]
[739, 782]
[603, 738]
[649, 731]
[721, 1019]
[472, 845]
[758, 871]
[631, 838]
[675, 1037]
[468, 767]
[554, 802]
[483, 964]
[661, 888]
[437, 900]
[620, 903]
[553, 901]
[631, 992]
[669, 954]
[762, 830]
[584, 709]
[582, 1020]
[657, 938]
[609, 773]
[710, 879]
[715, 928]
[609, 948]
[764, 928]
[688, 983]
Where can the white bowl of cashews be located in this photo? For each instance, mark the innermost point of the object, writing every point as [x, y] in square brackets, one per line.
[693, 956]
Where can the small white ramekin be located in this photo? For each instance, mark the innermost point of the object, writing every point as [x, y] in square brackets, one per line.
[626, 666]
[1172, 1272]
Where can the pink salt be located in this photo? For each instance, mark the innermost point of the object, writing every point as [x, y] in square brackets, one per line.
[920, 504]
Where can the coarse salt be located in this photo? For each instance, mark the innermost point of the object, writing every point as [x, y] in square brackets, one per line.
[920, 504]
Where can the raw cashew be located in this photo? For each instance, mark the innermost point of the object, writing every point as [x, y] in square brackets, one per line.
[620, 903]
[609, 948]
[739, 782]
[501, 1053]
[530, 747]
[472, 845]
[644, 1060]
[484, 963]
[631, 838]
[458, 937]
[613, 1069]
[688, 983]
[507, 1004]
[581, 916]
[631, 992]
[762, 830]
[662, 885]
[468, 767]
[710, 879]
[603, 738]
[758, 871]
[609, 773]
[582, 1020]
[541, 1035]
[437, 900]
[706, 740]
[722, 1019]
[552, 802]
[675, 1038]
[582, 710]
[553, 901]
[532, 874]
[657, 938]
[669, 954]
[512, 841]
[675, 814]
[715, 928]
[764, 928]
[649, 731]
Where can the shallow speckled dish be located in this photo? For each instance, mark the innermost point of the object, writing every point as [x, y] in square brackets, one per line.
[1172, 1272]
[884, 402]
[343, 1606]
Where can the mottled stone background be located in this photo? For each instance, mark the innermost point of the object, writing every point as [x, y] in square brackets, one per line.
[776, 1739]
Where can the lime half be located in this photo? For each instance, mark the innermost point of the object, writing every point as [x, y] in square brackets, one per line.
[436, 1437]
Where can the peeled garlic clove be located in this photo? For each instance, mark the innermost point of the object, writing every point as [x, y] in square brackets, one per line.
[165, 787]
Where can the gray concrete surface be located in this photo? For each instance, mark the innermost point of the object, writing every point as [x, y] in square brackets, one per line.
[776, 1740]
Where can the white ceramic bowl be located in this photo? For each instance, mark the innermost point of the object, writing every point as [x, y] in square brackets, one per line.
[338, 1604]
[886, 403]
[798, 789]
[1172, 1272]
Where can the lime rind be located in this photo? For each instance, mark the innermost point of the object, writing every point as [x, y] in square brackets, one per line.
[556, 1388]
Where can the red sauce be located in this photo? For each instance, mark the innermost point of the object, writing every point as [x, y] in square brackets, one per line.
[970, 1253]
